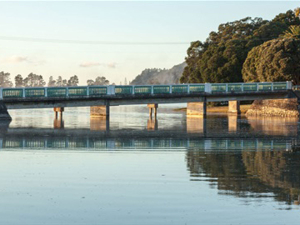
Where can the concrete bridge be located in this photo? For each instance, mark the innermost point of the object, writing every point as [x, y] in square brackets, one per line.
[100, 98]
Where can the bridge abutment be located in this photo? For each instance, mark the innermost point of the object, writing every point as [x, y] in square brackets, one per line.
[196, 109]
[234, 107]
[152, 108]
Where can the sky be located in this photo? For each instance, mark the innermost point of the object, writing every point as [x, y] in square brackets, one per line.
[116, 39]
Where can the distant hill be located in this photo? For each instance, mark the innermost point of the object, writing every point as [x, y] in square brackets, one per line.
[160, 76]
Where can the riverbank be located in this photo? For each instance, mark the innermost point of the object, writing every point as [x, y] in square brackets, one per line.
[219, 109]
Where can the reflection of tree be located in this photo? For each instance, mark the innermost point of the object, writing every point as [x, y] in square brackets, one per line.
[241, 174]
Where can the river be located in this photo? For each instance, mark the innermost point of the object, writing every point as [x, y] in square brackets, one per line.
[134, 170]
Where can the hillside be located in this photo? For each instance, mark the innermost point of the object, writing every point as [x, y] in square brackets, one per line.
[160, 76]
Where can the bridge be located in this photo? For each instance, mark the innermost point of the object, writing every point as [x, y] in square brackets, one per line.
[100, 98]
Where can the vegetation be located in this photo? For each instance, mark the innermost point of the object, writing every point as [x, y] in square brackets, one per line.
[34, 80]
[221, 57]
[275, 60]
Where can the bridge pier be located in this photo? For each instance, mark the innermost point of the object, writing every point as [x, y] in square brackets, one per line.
[234, 107]
[58, 124]
[99, 111]
[152, 107]
[60, 111]
[196, 109]
[233, 125]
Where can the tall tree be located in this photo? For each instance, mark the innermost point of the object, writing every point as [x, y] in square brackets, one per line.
[61, 82]
[5, 79]
[19, 82]
[98, 81]
[34, 80]
[73, 81]
[51, 82]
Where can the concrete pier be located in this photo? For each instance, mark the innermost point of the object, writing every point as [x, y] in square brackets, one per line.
[234, 107]
[152, 107]
[233, 123]
[60, 111]
[196, 109]
[99, 111]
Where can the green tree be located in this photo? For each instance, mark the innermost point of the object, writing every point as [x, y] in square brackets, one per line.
[19, 82]
[275, 60]
[61, 82]
[221, 57]
[292, 32]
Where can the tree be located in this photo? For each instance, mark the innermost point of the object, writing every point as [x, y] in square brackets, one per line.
[51, 82]
[98, 81]
[292, 32]
[19, 82]
[5, 80]
[73, 81]
[34, 80]
[61, 82]
[221, 57]
[275, 60]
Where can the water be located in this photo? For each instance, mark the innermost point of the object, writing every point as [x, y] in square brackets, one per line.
[222, 170]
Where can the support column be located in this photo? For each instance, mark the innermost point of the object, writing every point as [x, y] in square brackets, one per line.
[58, 124]
[196, 109]
[60, 111]
[152, 107]
[99, 111]
[234, 107]
[4, 115]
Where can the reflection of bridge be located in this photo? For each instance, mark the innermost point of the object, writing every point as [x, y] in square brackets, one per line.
[102, 97]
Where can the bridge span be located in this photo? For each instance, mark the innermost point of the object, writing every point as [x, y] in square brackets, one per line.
[100, 98]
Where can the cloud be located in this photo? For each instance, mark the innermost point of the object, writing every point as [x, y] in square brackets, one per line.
[21, 59]
[15, 59]
[91, 64]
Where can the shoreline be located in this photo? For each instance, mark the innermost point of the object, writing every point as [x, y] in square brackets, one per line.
[218, 109]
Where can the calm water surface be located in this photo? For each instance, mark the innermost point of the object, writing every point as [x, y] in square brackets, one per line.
[134, 170]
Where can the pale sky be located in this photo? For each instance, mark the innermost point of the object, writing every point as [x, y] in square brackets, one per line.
[112, 39]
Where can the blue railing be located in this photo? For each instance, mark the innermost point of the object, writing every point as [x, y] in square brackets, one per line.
[94, 91]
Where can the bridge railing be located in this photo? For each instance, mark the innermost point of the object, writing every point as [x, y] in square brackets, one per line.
[98, 91]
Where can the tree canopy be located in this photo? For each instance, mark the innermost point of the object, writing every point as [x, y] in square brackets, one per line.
[221, 57]
[275, 60]
[98, 81]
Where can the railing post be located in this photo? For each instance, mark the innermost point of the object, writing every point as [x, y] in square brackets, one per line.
[67, 88]
[170, 91]
[133, 92]
[88, 91]
[152, 90]
[23, 92]
[242, 87]
[46, 92]
[289, 85]
[257, 87]
[272, 86]
[207, 88]
[226, 87]
[1, 93]
[188, 89]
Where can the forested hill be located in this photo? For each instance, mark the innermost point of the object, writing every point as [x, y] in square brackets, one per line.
[160, 76]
